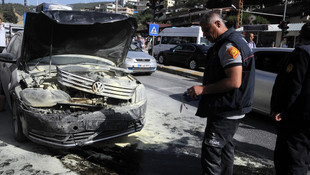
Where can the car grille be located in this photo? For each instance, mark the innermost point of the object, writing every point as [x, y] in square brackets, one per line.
[144, 60]
[85, 136]
[142, 68]
[86, 85]
[64, 139]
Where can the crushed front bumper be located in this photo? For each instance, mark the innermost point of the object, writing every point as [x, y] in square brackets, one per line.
[82, 128]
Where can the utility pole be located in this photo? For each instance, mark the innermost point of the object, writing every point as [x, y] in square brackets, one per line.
[285, 27]
[116, 4]
[25, 2]
[240, 14]
[2, 2]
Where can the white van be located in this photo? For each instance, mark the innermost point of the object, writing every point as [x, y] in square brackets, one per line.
[170, 37]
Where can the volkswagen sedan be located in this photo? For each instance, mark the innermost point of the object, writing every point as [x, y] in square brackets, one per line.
[62, 80]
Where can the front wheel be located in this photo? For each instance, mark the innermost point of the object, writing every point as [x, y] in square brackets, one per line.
[192, 64]
[17, 125]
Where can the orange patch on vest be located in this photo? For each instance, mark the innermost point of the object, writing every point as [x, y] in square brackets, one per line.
[233, 52]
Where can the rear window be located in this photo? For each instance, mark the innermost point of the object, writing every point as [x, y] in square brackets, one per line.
[270, 61]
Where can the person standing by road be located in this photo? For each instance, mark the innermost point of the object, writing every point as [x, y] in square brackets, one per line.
[251, 42]
[226, 93]
[3, 40]
[290, 106]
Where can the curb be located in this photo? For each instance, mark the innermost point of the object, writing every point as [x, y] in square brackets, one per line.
[180, 71]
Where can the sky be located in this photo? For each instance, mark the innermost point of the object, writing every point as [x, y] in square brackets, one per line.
[64, 2]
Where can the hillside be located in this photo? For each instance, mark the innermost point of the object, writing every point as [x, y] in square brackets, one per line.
[20, 9]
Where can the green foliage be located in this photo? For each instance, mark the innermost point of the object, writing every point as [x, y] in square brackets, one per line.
[20, 9]
[129, 5]
[8, 14]
[143, 18]
[231, 20]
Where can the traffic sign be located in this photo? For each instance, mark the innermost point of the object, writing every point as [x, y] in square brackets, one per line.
[153, 31]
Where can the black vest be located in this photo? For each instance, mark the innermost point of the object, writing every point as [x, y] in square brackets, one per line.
[293, 99]
[234, 102]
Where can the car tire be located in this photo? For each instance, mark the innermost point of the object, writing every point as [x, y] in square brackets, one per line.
[161, 59]
[16, 123]
[192, 64]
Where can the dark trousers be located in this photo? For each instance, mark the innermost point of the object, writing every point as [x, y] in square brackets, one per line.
[291, 154]
[217, 153]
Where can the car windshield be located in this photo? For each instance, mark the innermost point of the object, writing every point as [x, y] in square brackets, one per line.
[71, 59]
[134, 47]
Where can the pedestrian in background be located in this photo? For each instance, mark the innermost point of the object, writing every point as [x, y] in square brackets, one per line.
[290, 105]
[3, 39]
[226, 93]
[251, 42]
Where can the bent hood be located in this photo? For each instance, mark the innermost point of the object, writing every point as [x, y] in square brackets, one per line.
[77, 32]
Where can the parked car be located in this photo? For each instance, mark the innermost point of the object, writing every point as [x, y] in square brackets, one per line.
[138, 61]
[63, 84]
[188, 54]
[268, 62]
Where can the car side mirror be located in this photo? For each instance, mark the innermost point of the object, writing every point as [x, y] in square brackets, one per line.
[171, 49]
[7, 58]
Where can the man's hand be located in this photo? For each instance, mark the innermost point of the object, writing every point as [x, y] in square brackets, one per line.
[277, 116]
[195, 91]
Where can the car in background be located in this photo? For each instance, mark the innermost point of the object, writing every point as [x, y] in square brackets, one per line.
[13, 29]
[64, 86]
[187, 54]
[268, 62]
[139, 62]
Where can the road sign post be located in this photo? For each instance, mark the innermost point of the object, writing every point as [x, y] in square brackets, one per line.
[153, 31]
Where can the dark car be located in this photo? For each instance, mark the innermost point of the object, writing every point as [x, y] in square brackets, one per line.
[62, 80]
[189, 55]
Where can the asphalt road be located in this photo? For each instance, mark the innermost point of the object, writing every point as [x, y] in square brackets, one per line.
[168, 144]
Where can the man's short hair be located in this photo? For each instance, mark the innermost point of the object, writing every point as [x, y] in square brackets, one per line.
[305, 31]
[211, 17]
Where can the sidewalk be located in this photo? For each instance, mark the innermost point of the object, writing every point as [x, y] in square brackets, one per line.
[180, 71]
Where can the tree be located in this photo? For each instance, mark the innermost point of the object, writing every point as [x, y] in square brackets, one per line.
[130, 5]
[143, 18]
[231, 20]
[8, 14]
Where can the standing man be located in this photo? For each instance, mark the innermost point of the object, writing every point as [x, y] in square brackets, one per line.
[227, 93]
[3, 40]
[251, 42]
[290, 105]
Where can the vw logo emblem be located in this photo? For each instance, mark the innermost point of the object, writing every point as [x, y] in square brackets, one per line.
[98, 87]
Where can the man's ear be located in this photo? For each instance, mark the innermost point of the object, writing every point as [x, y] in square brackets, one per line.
[218, 23]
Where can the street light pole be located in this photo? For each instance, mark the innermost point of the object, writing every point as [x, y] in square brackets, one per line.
[285, 10]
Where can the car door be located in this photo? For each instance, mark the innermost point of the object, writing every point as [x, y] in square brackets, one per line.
[268, 64]
[173, 54]
[182, 56]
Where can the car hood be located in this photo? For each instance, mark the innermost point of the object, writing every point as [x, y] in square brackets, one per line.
[138, 55]
[77, 32]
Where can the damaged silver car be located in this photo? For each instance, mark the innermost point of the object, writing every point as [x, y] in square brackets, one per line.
[62, 80]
